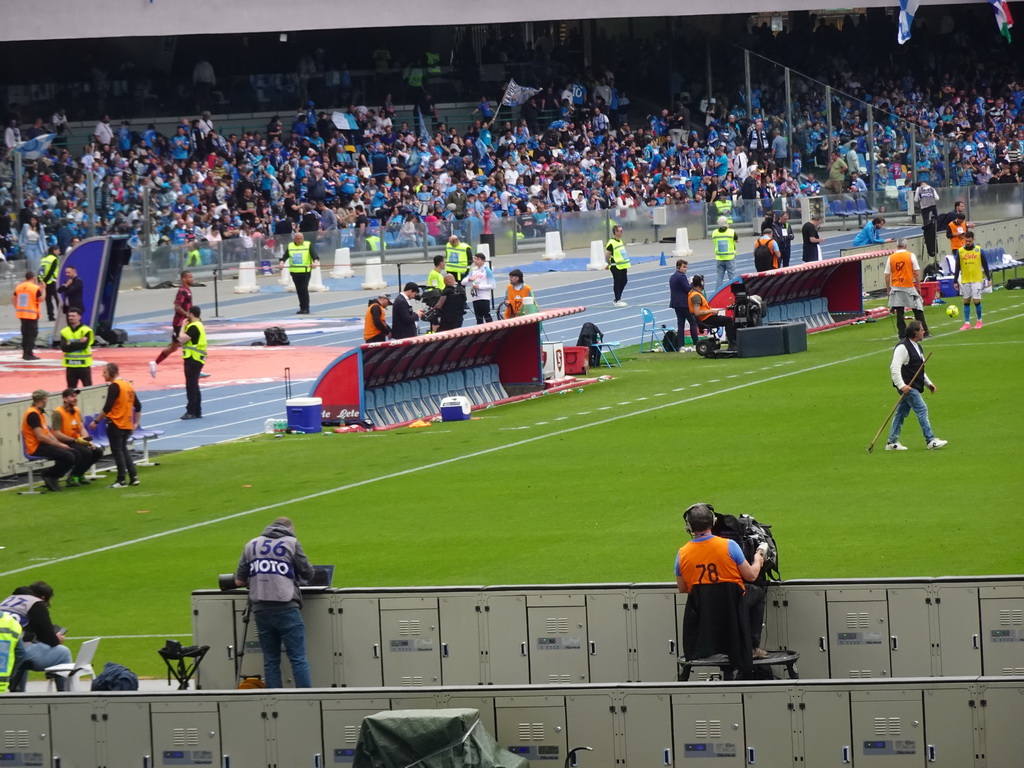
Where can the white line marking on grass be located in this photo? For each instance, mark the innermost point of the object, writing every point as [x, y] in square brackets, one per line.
[458, 459]
[583, 413]
[733, 376]
[605, 408]
[679, 389]
[561, 418]
[540, 423]
[640, 398]
[626, 402]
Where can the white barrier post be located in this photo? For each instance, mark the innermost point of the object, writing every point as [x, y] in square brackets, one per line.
[374, 276]
[485, 249]
[683, 249]
[247, 278]
[286, 279]
[597, 260]
[553, 246]
[316, 280]
[342, 264]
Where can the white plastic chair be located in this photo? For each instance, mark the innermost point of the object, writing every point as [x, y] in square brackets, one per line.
[79, 668]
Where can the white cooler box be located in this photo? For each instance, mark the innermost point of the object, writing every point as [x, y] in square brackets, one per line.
[455, 408]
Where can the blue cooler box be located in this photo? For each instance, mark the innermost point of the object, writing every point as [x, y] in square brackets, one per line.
[304, 414]
[455, 408]
[946, 289]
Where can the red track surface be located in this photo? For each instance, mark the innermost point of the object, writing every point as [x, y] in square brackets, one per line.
[227, 365]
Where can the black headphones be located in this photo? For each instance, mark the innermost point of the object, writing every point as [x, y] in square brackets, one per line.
[686, 515]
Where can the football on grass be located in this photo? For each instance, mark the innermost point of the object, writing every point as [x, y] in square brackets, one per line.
[953, 311]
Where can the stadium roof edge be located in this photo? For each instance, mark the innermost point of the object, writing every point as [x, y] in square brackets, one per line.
[91, 18]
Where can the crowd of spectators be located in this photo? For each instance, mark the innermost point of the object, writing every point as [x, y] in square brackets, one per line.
[577, 146]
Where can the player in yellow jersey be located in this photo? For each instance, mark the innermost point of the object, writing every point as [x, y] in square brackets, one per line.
[970, 275]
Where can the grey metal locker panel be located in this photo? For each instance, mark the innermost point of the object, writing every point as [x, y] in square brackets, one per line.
[126, 732]
[25, 735]
[532, 727]
[806, 628]
[608, 647]
[888, 728]
[825, 736]
[321, 619]
[910, 647]
[507, 640]
[858, 625]
[360, 642]
[245, 736]
[410, 641]
[949, 727]
[185, 733]
[558, 642]
[483, 704]
[708, 725]
[774, 633]
[647, 719]
[768, 728]
[213, 624]
[461, 645]
[1002, 631]
[296, 732]
[247, 640]
[959, 631]
[341, 721]
[590, 722]
[75, 738]
[1003, 735]
[657, 646]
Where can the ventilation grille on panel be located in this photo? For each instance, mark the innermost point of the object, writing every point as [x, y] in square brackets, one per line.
[707, 729]
[857, 621]
[887, 726]
[412, 680]
[556, 625]
[531, 731]
[351, 734]
[185, 737]
[555, 679]
[15, 739]
[408, 627]
[1011, 617]
[1012, 671]
[860, 673]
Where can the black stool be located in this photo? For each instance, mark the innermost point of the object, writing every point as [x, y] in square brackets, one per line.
[784, 658]
[182, 662]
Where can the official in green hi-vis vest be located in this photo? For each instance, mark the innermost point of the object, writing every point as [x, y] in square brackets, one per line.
[618, 263]
[300, 258]
[193, 352]
[76, 340]
[723, 241]
[723, 207]
[48, 277]
[374, 243]
[456, 257]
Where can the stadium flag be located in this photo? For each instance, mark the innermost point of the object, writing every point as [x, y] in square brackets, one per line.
[907, 10]
[486, 164]
[424, 136]
[517, 94]
[344, 121]
[34, 148]
[1003, 18]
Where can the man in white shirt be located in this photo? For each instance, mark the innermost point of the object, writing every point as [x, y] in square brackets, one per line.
[909, 377]
[103, 132]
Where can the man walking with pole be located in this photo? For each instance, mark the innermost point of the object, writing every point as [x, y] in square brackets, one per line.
[909, 377]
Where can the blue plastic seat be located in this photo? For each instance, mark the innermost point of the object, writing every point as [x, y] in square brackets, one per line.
[835, 208]
[650, 329]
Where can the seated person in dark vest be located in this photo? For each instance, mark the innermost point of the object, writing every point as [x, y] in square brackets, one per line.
[724, 611]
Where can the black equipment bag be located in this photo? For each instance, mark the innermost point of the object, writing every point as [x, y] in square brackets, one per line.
[276, 337]
[115, 677]
[749, 533]
[590, 334]
[1014, 283]
[670, 341]
[762, 258]
[430, 297]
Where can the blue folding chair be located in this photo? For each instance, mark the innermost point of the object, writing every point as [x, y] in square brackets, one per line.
[650, 328]
[863, 208]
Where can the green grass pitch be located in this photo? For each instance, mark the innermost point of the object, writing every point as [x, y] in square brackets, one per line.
[583, 487]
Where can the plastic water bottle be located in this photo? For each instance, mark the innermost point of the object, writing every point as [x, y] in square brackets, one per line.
[279, 426]
[269, 426]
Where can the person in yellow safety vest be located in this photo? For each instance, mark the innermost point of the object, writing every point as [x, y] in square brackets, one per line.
[723, 241]
[26, 299]
[68, 421]
[193, 258]
[193, 353]
[414, 76]
[970, 276]
[433, 63]
[902, 283]
[76, 340]
[457, 256]
[374, 243]
[48, 277]
[723, 207]
[10, 634]
[618, 262]
[300, 258]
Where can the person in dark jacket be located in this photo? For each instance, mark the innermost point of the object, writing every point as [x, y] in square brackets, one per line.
[71, 289]
[679, 292]
[452, 304]
[403, 317]
[41, 644]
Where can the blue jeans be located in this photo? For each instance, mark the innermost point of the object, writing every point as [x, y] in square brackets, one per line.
[275, 628]
[726, 272]
[915, 400]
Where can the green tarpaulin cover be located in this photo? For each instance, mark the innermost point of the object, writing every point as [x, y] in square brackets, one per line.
[430, 738]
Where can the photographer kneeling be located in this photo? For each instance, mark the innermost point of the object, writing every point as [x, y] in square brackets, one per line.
[724, 611]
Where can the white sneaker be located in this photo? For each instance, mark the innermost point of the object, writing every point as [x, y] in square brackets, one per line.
[934, 444]
[619, 303]
[895, 447]
[152, 368]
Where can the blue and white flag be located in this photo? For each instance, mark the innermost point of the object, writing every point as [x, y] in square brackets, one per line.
[907, 10]
[35, 148]
[343, 121]
[485, 162]
[424, 136]
[517, 94]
